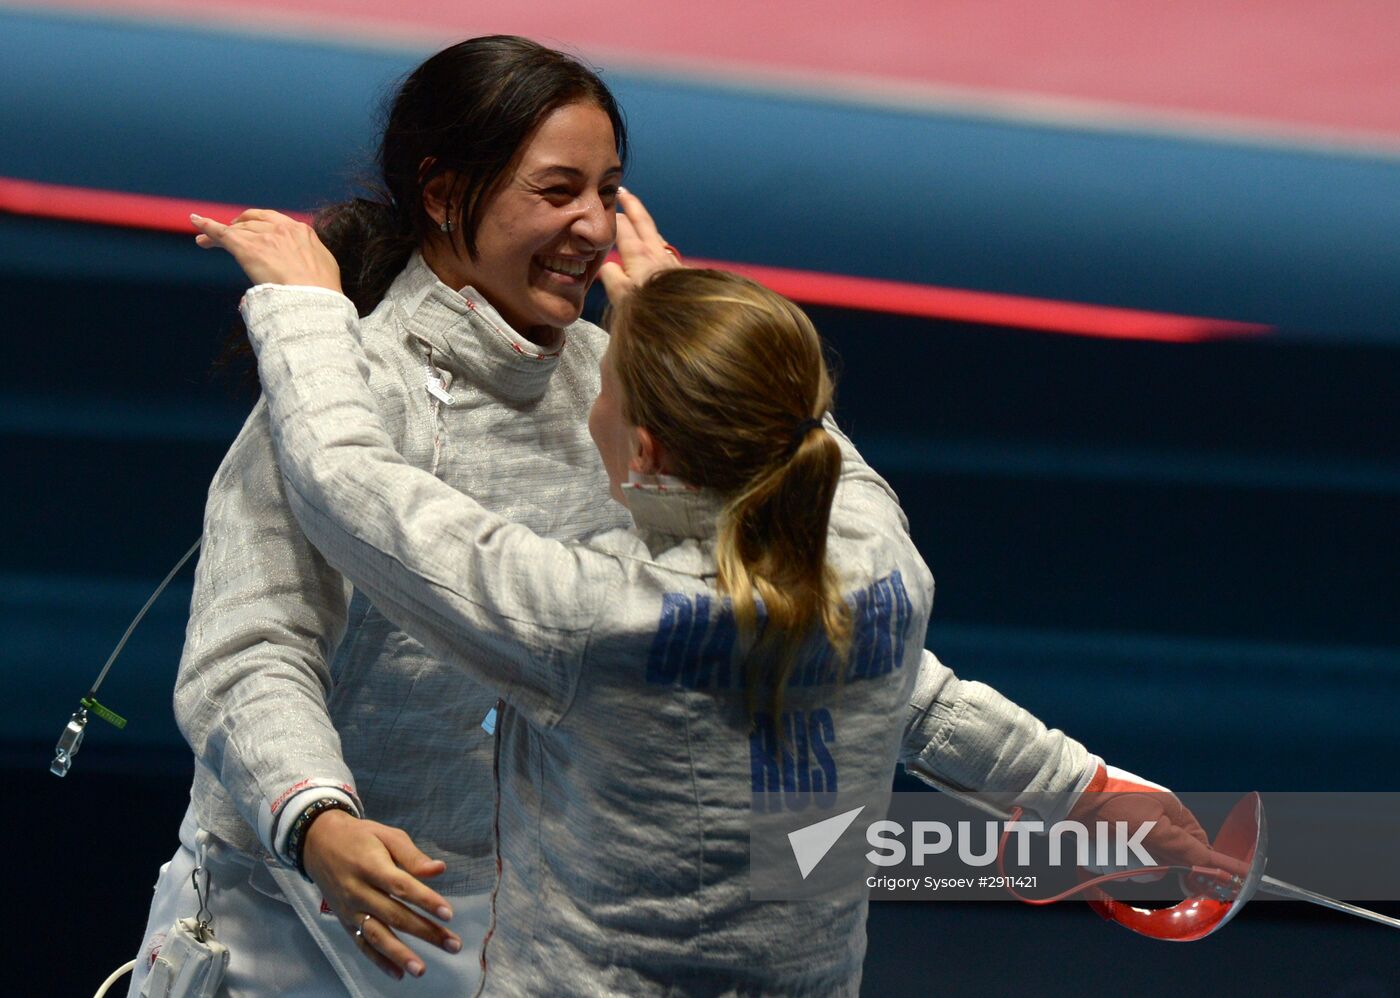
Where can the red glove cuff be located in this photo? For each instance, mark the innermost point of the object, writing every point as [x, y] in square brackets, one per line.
[1098, 781]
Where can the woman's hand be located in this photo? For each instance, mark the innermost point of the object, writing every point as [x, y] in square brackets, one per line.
[365, 868]
[641, 247]
[271, 248]
[1173, 836]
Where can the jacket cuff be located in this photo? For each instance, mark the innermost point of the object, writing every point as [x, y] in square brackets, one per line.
[305, 306]
[275, 821]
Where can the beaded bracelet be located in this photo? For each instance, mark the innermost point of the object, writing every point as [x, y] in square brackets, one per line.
[296, 837]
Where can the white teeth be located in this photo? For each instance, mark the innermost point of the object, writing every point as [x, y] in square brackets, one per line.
[564, 265]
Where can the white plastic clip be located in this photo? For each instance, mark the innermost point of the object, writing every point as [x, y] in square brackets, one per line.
[438, 391]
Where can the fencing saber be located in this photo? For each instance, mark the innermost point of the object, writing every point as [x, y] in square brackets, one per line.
[1271, 885]
[1216, 896]
[1244, 836]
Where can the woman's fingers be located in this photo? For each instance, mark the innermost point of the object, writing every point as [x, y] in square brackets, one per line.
[243, 223]
[393, 919]
[263, 215]
[615, 281]
[364, 940]
[271, 248]
[642, 251]
[628, 236]
[379, 935]
[209, 230]
[396, 888]
[638, 240]
[637, 215]
[637, 233]
[351, 860]
[415, 863]
[401, 917]
[342, 855]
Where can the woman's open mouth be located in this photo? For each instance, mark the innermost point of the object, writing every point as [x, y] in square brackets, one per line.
[571, 268]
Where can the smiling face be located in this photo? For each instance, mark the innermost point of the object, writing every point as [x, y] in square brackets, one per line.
[546, 231]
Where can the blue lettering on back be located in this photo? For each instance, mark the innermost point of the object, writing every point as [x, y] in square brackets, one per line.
[804, 773]
[673, 631]
[696, 646]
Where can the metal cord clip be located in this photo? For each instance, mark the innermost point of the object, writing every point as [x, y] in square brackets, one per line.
[203, 917]
[69, 741]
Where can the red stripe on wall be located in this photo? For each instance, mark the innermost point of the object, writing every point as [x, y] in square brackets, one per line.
[164, 214]
[986, 308]
[130, 211]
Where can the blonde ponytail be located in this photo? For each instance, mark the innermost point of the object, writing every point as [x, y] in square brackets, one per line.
[730, 377]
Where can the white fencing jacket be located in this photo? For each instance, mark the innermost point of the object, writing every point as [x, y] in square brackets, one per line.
[275, 703]
[625, 755]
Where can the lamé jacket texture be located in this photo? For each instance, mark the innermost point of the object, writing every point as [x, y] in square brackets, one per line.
[286, 685]
[628, 761]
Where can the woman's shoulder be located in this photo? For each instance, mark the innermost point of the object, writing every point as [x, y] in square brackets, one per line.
[864, 548]
[644, 578]
[685, 562]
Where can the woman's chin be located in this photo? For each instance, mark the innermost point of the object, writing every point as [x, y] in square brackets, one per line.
[559, 310]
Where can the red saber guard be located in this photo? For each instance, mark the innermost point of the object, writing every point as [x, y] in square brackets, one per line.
[1217, 895]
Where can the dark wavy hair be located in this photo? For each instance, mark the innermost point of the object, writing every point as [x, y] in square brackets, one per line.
[468, 109]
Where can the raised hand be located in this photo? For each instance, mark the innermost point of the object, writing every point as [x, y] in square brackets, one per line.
[641, 247]
[271, 248]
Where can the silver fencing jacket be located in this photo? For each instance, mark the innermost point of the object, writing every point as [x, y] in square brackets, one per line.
[283, 687]
[625, 752]
[271, 698]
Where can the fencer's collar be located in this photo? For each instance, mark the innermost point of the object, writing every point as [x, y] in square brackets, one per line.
[666, 506]
[469, 339]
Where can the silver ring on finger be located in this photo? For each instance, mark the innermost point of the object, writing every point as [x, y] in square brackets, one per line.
[359, 932]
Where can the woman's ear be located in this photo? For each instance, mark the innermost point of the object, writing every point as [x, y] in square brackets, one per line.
[649, 455]
[437, 195]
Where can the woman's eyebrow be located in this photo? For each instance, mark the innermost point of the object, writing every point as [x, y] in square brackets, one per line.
[571, 172]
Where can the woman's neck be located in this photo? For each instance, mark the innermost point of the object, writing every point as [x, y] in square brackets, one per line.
[442, 262]
[545, 337]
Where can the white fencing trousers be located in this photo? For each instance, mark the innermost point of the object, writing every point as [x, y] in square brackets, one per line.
[280, 943]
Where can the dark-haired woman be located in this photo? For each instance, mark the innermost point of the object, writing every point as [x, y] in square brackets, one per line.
[309, 712]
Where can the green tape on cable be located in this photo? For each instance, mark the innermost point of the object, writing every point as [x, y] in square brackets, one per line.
[108, 715]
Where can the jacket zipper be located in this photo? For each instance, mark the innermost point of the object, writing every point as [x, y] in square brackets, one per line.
[496, 835]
